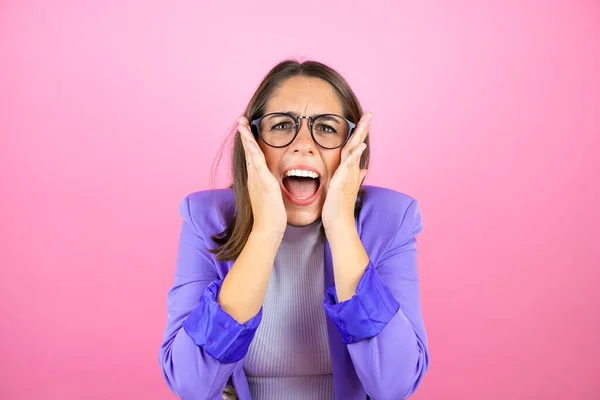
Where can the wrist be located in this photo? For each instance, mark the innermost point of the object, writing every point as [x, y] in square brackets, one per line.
[342, 225]
[266, 237]
[340, 235]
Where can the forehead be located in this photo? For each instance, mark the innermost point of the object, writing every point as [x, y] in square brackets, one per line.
[305, 96]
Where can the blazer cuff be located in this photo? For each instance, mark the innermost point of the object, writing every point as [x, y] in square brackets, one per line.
[366, 313]
[221, 336]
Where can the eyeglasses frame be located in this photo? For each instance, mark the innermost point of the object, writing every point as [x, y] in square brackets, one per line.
[255, 127]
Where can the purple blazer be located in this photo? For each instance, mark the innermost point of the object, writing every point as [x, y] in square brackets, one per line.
[377, 338]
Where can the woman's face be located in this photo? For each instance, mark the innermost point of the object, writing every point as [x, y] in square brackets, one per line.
[303, 197]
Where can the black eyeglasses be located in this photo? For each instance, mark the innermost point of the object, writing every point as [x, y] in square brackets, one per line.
[329, 131]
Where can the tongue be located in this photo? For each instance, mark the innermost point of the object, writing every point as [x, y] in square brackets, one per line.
[301, 187]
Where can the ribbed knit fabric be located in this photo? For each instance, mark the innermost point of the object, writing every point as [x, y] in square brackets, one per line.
[289, 356]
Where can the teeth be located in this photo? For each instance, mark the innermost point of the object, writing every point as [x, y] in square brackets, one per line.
[302, 173]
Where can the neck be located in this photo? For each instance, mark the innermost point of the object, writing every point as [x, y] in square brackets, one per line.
[296, 234]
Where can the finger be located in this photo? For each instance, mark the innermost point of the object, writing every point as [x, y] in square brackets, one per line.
[245, 145]
[246, 133]
[354, 157]
[249, 153]
[243, 122]
[255, 158]
[359, 135]
[250, 145]
[361, 130]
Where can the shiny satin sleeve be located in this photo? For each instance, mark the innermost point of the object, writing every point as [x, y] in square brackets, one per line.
[217, 332]
[202, 345]
[367, 313]
[382, 324]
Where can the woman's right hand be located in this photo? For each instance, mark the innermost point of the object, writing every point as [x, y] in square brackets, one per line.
[268, 209]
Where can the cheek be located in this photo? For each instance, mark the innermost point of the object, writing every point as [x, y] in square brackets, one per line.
[272, 157]
[332, 161]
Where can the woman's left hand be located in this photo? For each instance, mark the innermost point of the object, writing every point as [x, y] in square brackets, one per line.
[343, 188]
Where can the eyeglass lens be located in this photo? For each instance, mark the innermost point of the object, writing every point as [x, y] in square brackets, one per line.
[329, 131]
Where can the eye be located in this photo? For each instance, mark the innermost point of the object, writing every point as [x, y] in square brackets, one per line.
[324, 128]
[282, 126]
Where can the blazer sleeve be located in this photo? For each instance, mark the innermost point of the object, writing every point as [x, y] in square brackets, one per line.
[202, 344]
[382, 324]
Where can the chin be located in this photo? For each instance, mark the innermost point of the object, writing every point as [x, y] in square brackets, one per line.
[302, 217]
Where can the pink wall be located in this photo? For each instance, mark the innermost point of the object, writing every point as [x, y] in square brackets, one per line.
[486, 111]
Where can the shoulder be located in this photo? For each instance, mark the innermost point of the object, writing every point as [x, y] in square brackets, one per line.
[207, 210]
[389, 213]
[385, 199]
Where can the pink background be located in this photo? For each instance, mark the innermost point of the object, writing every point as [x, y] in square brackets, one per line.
[485, 111]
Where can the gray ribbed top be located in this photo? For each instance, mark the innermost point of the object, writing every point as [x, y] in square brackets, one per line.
[289, 355]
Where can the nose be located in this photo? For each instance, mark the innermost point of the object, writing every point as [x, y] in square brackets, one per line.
[304, 143]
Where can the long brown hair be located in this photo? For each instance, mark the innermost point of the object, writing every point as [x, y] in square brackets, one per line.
[233, 239]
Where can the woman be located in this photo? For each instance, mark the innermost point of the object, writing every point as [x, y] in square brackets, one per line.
[300, 285]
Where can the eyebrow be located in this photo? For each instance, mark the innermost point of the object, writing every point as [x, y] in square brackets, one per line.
[329, 118]
[311, 115]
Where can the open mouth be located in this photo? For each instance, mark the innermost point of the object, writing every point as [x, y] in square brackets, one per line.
[301, 185]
